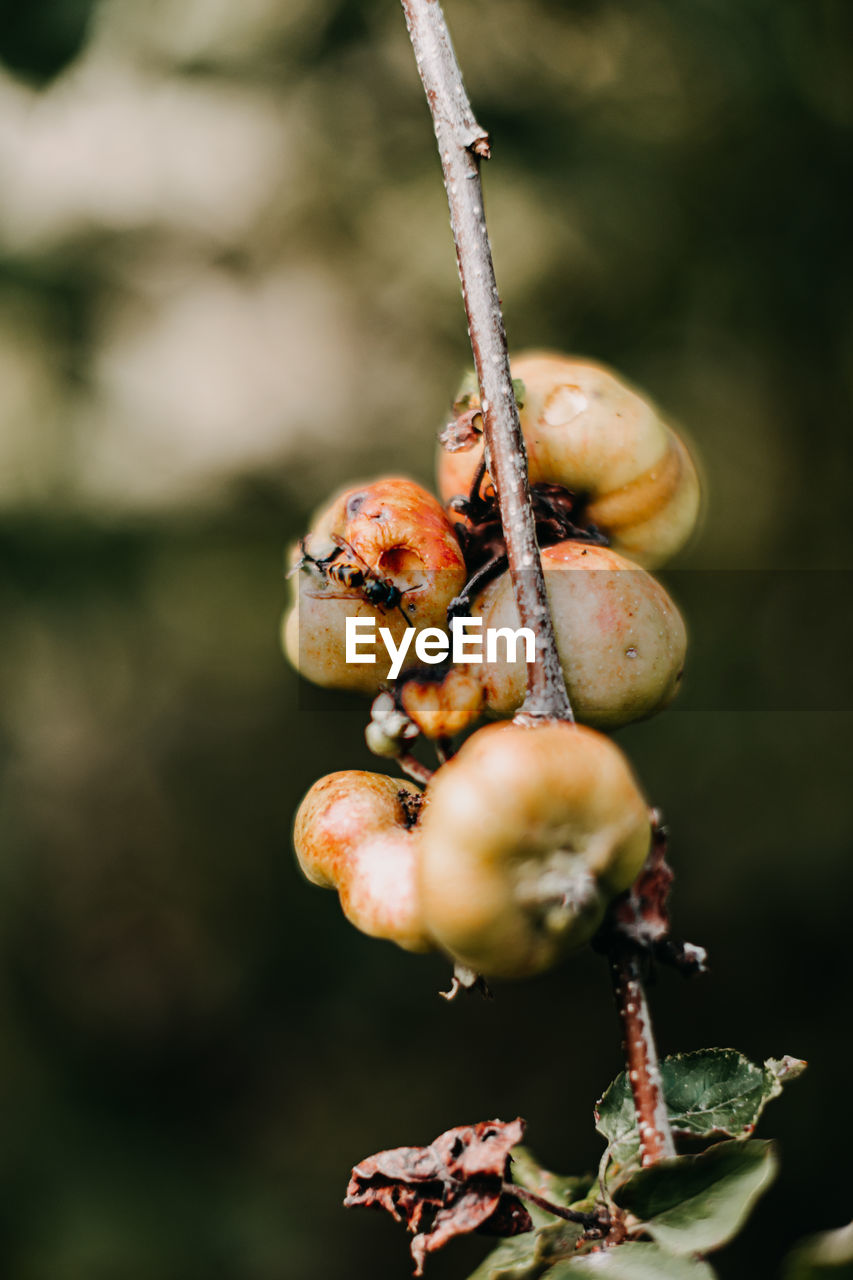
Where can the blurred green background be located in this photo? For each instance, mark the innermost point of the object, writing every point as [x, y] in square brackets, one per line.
[226, 287]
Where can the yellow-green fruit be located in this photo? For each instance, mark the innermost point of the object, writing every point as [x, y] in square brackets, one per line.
[356, 832]
[527, 834]
[620, 638]
[384, 552]
[587, 430]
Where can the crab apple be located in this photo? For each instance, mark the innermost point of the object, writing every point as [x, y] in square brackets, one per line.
[527, 835]
[588, 431]
[356, 832]
[383, 551]
[620, 638]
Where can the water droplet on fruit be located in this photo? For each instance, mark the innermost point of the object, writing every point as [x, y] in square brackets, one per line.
[563, 404]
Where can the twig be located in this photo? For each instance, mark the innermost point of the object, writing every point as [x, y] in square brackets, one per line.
[462, 144]
[641, 1056]
[413, 768]
[461, 605]
[586, 1220]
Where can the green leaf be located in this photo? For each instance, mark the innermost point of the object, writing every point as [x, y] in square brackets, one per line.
[631, 1262]
[616, 1120]
[711, 1093]
[530, 1256]
[513, 1259]
[720, 1092]
[694, 1204]
[468, 389]
[559, 1240]
[829, 1254]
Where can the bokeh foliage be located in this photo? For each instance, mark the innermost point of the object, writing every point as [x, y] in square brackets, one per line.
[227, 287]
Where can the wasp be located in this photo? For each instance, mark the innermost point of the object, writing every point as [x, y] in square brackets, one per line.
[356, 575]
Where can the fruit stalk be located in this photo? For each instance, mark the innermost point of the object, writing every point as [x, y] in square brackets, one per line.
[462, 143]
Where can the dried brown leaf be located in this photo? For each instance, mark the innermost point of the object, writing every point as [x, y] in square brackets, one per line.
[644, 911]
[641, 915]
[453, 1186]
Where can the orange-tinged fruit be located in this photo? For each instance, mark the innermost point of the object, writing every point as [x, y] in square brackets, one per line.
[589, 431]
[383, 551]
[620, 638]
[356, 832]
[527, 835]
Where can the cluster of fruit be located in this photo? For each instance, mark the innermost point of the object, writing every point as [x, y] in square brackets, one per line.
[510, 856]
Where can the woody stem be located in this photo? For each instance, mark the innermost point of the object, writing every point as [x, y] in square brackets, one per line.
[462, 144]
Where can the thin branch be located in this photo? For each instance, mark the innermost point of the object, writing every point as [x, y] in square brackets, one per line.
[641, 1057]
[586, 1220]
[637, 927]
[461, 144]
[413, 768]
